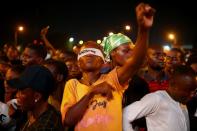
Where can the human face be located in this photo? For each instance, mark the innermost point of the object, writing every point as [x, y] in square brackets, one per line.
[173, 58]
[184, 88]
[12, 53]
[29, 57]
[122, 53]
[26, 99]
[156, 59]
[10, 74]
[90, 63]
[73, 69]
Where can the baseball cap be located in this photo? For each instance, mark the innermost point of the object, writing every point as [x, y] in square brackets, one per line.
[37, 77]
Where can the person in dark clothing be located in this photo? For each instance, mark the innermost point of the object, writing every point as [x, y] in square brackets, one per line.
[34, 87]
[138, 88]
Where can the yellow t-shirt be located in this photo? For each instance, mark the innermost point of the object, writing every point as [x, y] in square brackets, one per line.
[101, 115]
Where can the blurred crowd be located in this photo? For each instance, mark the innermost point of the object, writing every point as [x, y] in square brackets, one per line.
[120, 85]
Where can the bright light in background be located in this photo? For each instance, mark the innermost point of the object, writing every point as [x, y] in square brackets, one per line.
[127, 27]
[20, 28]
[18, 48]
[98, 41]
[111, 33]
[71, 39]
[171, 36]
[80, 42]
[166, 48]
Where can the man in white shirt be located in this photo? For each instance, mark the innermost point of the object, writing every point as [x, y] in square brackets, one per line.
[165, 110]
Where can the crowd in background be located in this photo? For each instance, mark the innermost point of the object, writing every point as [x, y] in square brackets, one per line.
[43, 88]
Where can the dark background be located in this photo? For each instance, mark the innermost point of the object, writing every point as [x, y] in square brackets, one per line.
[92, 20]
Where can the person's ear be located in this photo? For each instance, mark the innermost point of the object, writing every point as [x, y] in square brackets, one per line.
[113, 53]
[37, 97]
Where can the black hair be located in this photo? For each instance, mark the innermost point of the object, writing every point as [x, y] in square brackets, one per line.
[181, 70]
[192, 59]
[17, 68]
[45, 95]
[60, 66]
[39, 49]
[179, 51]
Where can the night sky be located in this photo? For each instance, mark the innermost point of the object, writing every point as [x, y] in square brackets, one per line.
[93, 20]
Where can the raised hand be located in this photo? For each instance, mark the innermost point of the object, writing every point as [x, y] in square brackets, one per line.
[145, 13]
[44, 31]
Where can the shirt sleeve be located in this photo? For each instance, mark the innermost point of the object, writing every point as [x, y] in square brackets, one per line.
[69, 98]
[146, 106]
[112, 78]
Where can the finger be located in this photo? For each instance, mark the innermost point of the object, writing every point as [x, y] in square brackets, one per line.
[140, 8]
[149, 11]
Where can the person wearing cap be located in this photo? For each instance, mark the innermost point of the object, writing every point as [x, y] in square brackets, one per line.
[34, 86]
[95, 101]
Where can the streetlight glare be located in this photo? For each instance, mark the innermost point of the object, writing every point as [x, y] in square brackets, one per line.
[71, 39]
[166, 48]
[18, 48]
[98, 41]
[80, 42]
[20, 28]
[127, 27]
[171, 36]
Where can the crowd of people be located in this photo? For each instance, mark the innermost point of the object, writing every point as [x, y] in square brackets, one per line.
[114, 86]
